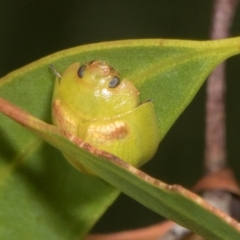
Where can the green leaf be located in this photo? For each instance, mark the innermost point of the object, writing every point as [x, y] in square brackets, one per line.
[171, 201]
[40, 191]
[42, 196]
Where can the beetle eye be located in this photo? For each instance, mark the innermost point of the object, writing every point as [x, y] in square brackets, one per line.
[81, 71]
[114, 82]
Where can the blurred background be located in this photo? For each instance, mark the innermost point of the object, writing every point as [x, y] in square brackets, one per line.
[31, 29]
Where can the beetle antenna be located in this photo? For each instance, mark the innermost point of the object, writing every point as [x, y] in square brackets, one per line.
[149, 100]
[55, 71]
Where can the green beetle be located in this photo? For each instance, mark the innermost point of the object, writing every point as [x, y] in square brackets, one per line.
[92, 102]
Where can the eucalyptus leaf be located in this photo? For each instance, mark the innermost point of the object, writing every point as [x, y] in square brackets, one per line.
[43, 197]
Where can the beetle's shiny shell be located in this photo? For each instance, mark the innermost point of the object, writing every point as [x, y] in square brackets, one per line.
[105, 113]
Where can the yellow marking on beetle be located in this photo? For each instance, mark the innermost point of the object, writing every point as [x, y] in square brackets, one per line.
[62, 118]
[107, 132]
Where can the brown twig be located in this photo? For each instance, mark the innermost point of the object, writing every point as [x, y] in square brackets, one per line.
[215, 150]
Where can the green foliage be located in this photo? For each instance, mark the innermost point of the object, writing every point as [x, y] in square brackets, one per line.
[43, 197]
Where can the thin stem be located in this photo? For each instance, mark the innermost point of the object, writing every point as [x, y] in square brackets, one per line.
[215, 150]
